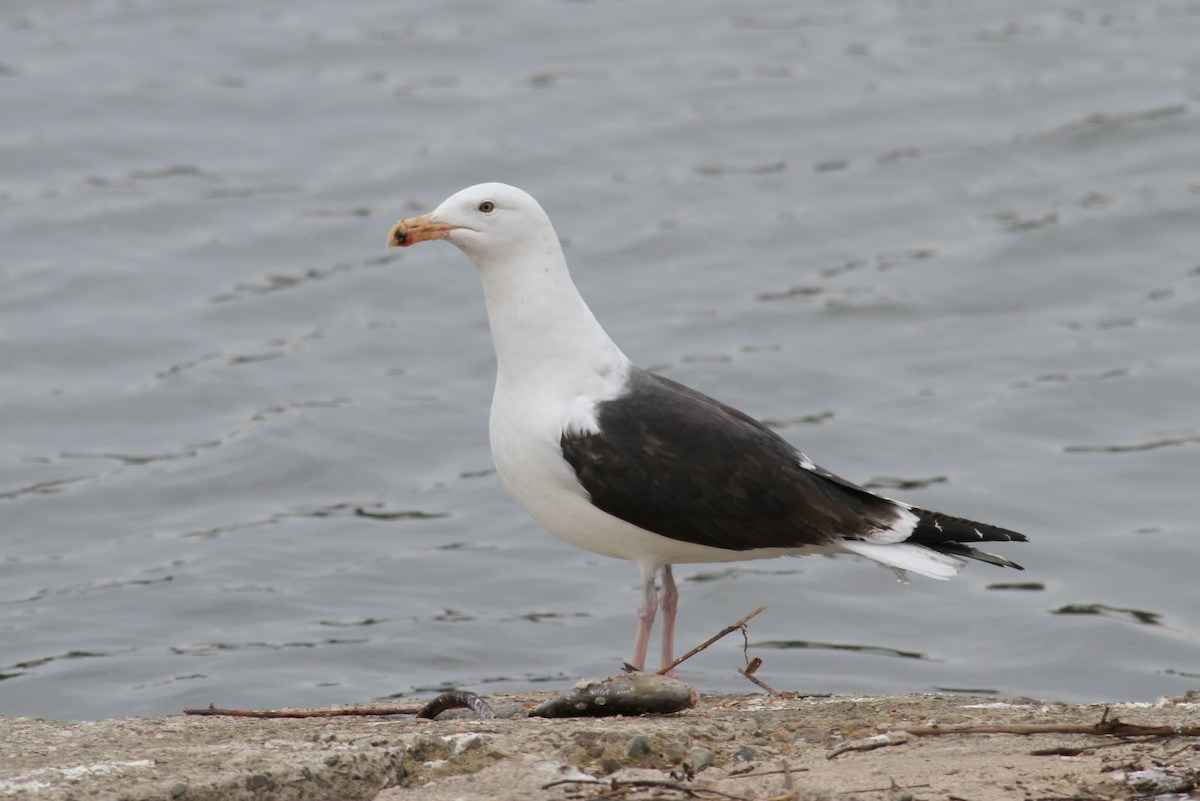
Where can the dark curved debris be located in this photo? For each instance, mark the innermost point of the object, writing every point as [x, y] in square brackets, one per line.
[456, 699]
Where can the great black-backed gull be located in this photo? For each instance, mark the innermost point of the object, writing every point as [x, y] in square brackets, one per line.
[628, 464]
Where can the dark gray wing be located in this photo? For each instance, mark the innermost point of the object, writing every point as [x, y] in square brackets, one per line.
[678, 463]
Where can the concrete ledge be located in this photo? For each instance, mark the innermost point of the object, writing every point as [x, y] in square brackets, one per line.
[736, 745]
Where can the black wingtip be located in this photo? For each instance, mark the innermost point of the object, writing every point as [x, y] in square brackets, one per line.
[958, 535]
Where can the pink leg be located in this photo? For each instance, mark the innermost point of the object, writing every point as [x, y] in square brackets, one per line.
[669, 600]
[646, 610]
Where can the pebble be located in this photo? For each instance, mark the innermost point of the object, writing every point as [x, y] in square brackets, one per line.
[260, 781]
[675, 751]
[700, 758]
[1155, 781]
[638, 746]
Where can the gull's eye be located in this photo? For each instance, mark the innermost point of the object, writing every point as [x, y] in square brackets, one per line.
[487, 207]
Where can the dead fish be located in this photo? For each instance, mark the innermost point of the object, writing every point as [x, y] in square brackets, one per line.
[633, 693]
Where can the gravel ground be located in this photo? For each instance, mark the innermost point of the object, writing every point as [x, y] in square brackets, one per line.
[727, 747]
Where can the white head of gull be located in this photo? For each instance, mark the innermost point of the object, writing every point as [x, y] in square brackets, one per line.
[628, 464]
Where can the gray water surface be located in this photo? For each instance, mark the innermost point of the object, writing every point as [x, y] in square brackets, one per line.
[949, 249]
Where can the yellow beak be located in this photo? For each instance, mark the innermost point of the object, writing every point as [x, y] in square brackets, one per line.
[417, 229]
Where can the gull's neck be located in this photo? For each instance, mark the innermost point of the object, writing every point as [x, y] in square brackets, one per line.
[542, 330]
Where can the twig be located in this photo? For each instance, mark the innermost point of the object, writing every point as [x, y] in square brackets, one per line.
[1112, 727]
[1106, 726]
[751, 667]
[303, 713]
[785, 771]
[895, 787]
[896, 737]
[710, 641]
[450, 700]
[758, 681]
[1176, 753]
[1067, 750]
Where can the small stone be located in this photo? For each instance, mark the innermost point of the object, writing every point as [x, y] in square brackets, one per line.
[468, 742]
[1157, 781]
[808, 735]
[675, 751]
[707, 732]
[178, 789]
[638, 747]
[745, 753]
[260, 781]
[700, 758]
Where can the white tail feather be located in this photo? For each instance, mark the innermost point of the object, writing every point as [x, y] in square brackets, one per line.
[906, 556]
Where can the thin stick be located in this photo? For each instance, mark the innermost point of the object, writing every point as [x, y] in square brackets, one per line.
[1112, 727]
[788, 784]
[770, 690]
[727, 630]
[302, 713]
[786, 770]
[892, 789]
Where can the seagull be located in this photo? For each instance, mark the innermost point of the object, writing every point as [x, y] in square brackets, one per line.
[628, 464]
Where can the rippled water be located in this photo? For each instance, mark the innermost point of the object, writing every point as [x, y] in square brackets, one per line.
[949, 249]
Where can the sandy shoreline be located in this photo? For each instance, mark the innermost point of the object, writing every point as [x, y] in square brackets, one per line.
[731, 746]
